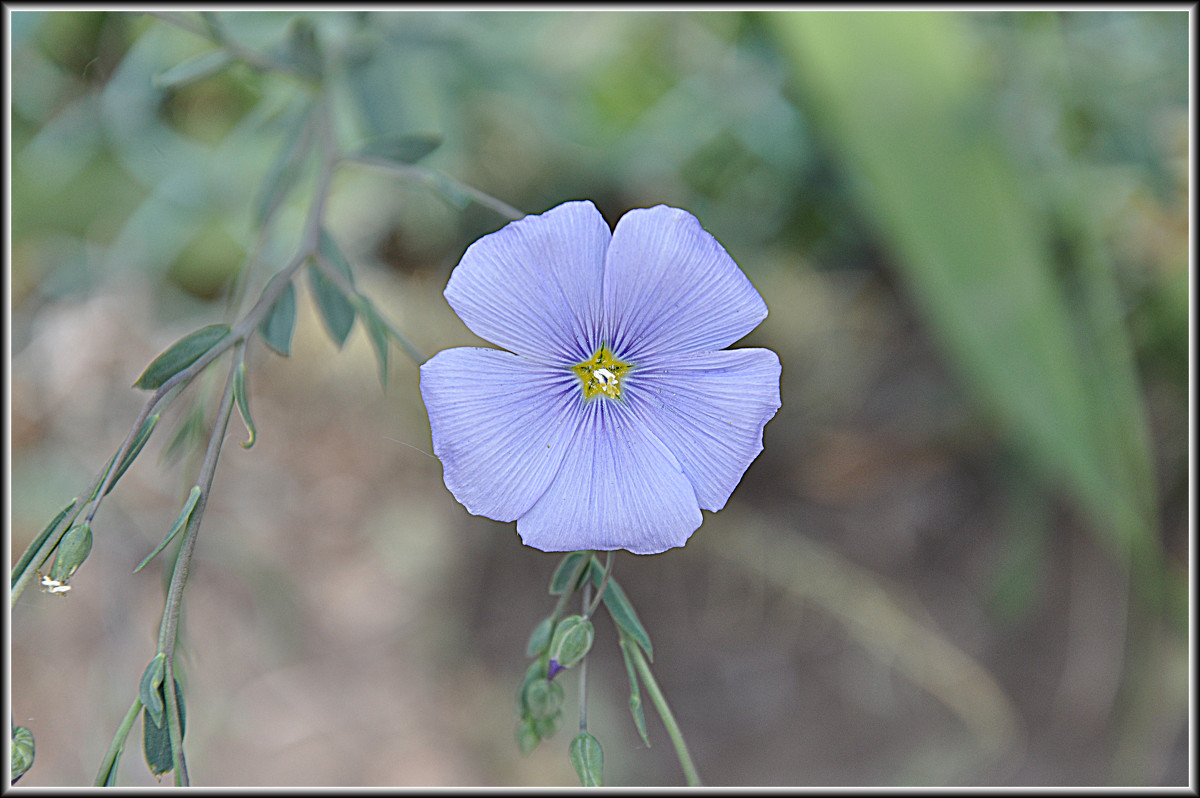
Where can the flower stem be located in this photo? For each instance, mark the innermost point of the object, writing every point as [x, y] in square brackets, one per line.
[586, 596]
[608, 566]
[664, 711]
[118, 745]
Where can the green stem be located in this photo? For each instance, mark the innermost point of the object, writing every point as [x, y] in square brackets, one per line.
[586, 596]
[118, 744]
[589, 611]
[664, 711]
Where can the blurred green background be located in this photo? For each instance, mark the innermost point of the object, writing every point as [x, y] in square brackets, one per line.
[962, 558]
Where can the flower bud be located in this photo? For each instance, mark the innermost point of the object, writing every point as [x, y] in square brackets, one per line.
[588, 759]
[543, 698]
[571, 642]
[72, 550]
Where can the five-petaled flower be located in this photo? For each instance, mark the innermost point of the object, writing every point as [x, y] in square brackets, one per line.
[616, 415]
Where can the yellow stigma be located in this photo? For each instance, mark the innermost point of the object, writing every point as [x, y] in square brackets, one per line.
[601, 373]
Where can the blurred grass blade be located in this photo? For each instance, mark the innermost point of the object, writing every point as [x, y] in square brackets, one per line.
[179, 524]
[180, 355]
[193, 69]
[906, 125]
[277, 327]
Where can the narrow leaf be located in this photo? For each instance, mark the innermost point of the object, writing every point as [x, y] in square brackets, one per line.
[328, 249]
[378, 334]
[36, 544]
[561, 580]
[277, 327]
[540, 638]
[635, 692]
[180, 355]
[336, 311]
[243, 404]
[622, 612]
[179, 524]
[406, 149]
[156, 738]
[150, 688]
[193, 69]
[139, 442]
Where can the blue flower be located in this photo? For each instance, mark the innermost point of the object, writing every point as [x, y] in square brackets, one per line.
[614, 417]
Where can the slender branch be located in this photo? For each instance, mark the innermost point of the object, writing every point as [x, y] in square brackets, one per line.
[664, 711]
[118, 744]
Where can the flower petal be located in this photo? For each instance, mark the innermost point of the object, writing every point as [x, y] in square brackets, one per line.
[533, 286]
[670, 287]
[619, 488]
[500, 426]
[709, 409]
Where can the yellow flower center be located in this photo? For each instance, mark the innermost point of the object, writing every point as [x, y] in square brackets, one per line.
[601, 373]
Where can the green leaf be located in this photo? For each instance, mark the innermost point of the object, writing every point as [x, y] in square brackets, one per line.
[285, 170]
[377, 332]
[588, 759]
[150, 688]
[540, 638]
[22, 752]
[277, 327]
[156, 738]
[336, 311]
[560, 582]
[180, 355]
[32, 549]
[635, 693]
[406, 149]
[622, 611]
[328, 249]
[139, 442]
[193, 69]
[180, 521]
[243, 404]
